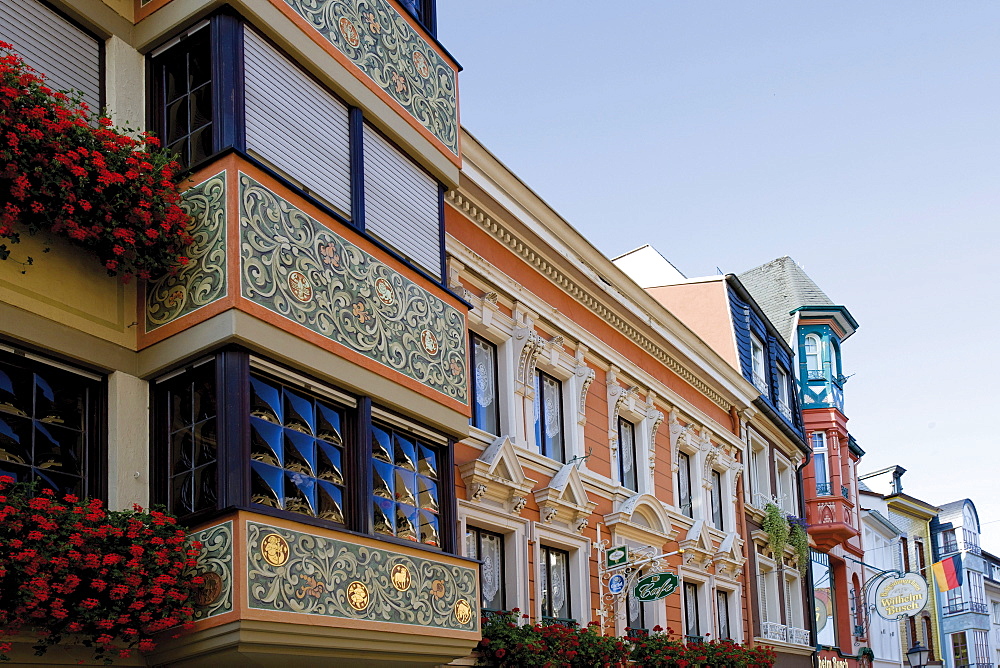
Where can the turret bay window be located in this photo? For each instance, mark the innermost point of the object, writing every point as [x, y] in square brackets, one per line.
[50, 424]
[485, 386]
[549, 431]
[820, 464]
[555, 585]
[627, 456]
[684, 498]
[488, 547]
[814, 362]
[236, 431]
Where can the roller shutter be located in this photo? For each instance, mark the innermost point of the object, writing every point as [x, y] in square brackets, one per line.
[295, 125]
[69, 58]
[401, 203]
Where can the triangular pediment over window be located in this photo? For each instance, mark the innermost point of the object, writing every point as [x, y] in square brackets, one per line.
[565, 499]
[496, 477]
[697, 545]
[729, 557]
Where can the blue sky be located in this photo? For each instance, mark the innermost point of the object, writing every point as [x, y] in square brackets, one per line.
[860, 138]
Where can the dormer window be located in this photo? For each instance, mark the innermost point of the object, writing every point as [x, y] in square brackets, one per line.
[758, 367]
[782, 399]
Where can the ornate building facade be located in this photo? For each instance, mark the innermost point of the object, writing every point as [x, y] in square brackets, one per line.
[294, 394]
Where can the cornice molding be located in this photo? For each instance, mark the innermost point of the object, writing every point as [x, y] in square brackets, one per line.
[573, 289]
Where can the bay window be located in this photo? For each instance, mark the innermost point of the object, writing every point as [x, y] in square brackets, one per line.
[235, 431]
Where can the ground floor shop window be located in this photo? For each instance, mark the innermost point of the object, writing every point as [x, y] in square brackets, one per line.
[555, 585]
[488, 547]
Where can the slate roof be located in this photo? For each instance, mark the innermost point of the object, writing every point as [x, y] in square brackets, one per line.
[779, 287]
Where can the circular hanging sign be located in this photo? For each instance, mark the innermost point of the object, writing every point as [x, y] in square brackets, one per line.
[616, 584]
[655, 586]
[901, 596]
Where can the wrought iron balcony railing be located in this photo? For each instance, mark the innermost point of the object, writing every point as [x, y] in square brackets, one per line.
[693, 639]
[955, 608]
[816, 374]
[563, 621]
[784, 409]
[824, 489]
[846, 493]
[978, 607]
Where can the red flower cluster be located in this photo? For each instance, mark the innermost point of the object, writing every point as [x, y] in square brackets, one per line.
[507, 643]
[68, 171]
[69, 566]
[665, 650]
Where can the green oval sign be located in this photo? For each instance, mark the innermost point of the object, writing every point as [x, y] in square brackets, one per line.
[655, 586]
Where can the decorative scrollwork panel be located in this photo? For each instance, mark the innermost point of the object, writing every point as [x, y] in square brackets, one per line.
[298, 268]
[291, 571]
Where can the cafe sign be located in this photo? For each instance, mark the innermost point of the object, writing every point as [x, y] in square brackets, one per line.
[901, 596]
[654, 586]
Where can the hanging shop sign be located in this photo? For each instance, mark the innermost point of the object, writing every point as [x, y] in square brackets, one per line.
[900, 596]
[616, 584]
[615, 557]
[655, 586]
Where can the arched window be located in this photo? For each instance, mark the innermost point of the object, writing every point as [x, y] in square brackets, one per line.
[813, 361]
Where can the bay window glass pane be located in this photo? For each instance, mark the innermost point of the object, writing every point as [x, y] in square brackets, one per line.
[405, 488]
[486, 404]
[183, 90]
[192, 439]
[296, 451]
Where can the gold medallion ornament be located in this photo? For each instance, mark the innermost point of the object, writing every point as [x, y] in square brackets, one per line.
[463, 611]
[274, 549]
[357, 595]
[400, 577]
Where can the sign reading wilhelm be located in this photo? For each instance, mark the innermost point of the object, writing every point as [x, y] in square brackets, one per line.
[901, 596]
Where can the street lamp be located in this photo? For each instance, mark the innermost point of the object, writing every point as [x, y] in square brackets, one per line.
[918, 655]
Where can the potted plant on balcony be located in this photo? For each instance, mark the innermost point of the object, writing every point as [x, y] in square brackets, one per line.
[68, 172]
[776, 527]
[507, 642]
[109, 579]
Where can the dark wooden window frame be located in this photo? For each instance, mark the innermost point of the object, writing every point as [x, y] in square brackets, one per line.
[540, 432]
[633, 484]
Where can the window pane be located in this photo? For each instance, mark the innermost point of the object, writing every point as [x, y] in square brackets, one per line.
[488, 547]
[485, 408]
[548, 417]
[692, 625]
[684, 484]
[555, 583]
[717, 500]
[723, 612]
[183, 76]
[627, 455]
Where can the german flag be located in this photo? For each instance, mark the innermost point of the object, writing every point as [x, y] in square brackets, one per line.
[948, 573]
